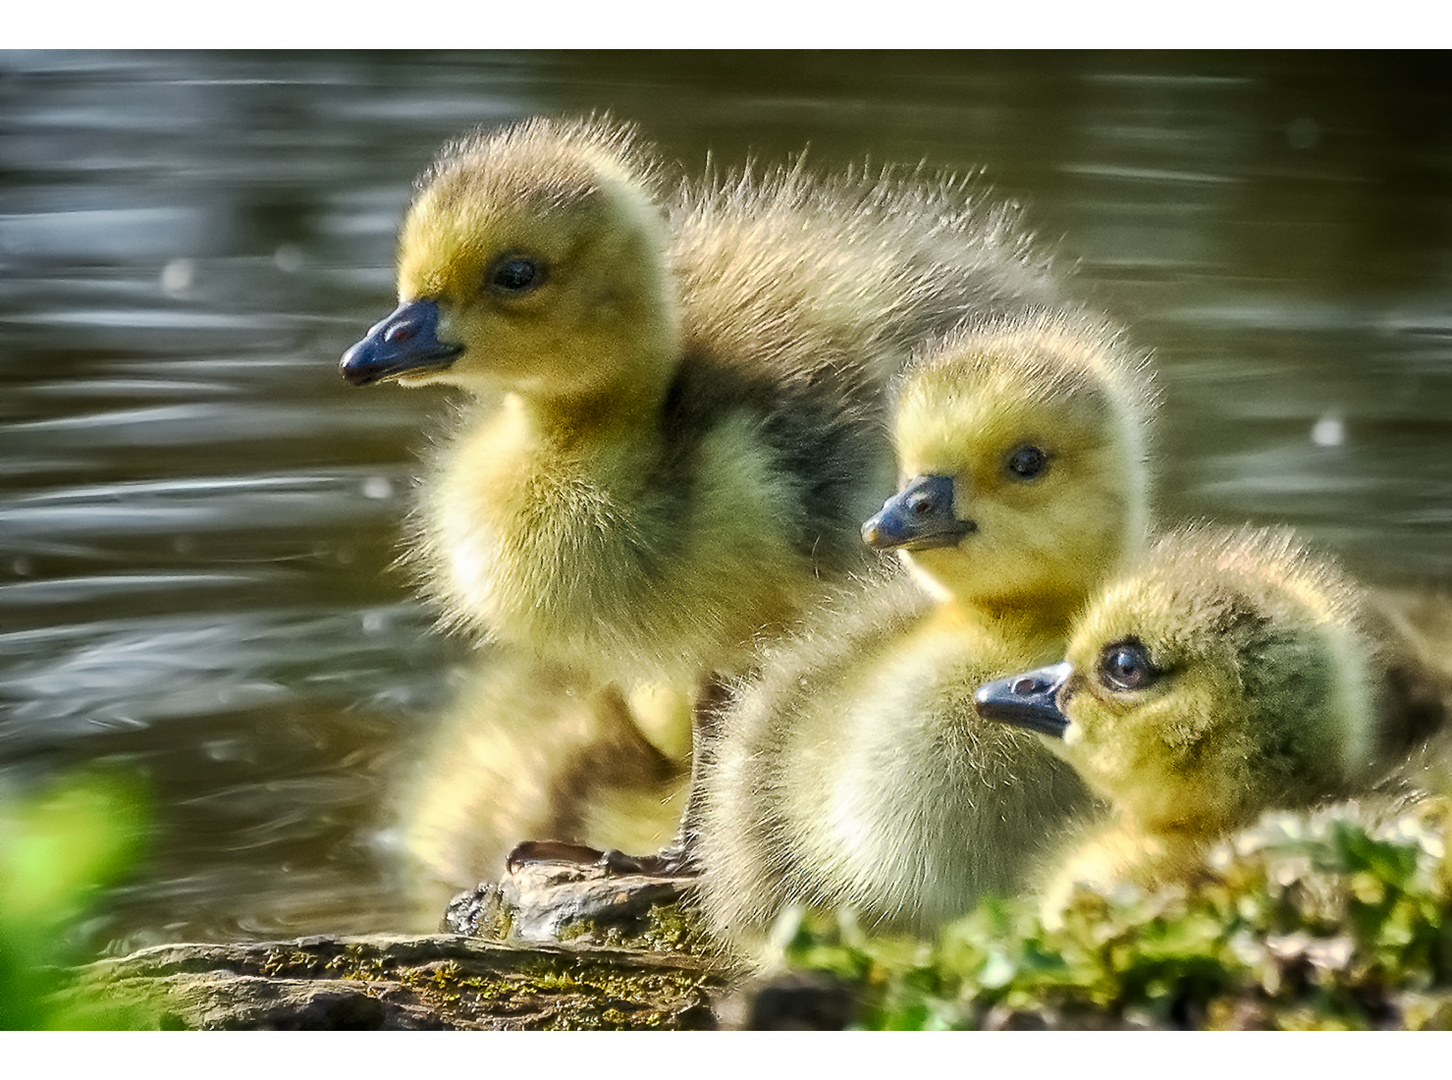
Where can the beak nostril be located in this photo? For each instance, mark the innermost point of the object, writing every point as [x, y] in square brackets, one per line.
[398, 333]
[1026, 686]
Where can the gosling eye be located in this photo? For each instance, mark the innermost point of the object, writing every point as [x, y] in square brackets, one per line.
[1027, 462]
[515, 274]
[1125, 667]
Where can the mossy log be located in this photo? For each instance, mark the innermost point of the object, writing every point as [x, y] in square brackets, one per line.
[386, 982]
[552, 946]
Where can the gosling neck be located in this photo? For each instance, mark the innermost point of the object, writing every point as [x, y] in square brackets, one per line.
[1160, 855]
[1188, 832]
[1036, 623]
[627, 366]
[620, 416]
[623, 412]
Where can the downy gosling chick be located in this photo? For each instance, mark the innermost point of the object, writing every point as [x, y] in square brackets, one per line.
[855, 771]
[680, 420]
[1230, 673]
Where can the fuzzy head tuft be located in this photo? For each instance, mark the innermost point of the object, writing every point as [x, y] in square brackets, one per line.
[1227, 675]
[1041, 422]
[543, 248]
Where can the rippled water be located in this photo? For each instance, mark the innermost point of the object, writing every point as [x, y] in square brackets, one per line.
[197, 516]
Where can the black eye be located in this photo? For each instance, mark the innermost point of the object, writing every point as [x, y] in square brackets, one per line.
[515, 274]
[1126, 666]
[1027, 462]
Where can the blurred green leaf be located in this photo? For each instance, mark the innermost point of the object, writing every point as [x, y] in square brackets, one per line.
[59, 851]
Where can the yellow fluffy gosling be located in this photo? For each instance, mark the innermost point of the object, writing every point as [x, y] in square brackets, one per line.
[855, 770]
[1230, 673]
[679, 421]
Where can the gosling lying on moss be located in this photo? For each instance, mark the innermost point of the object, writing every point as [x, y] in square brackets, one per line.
[855, 770]
[680, 420]
[1231, 672]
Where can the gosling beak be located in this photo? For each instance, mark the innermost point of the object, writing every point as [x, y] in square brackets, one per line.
[1027, 700]
[917, 517]
[406, 341]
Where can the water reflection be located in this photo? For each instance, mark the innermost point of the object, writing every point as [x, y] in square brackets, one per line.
[197, 518]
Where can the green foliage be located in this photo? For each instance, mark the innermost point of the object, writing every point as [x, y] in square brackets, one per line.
[1301, 923]
[59, 850]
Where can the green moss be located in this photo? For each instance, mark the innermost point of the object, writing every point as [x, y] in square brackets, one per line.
[563, 992]
[672, 926]
[666, 926]
[1309, 924]
[555, 982]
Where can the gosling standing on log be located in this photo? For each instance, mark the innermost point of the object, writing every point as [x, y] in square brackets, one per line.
[680, 394]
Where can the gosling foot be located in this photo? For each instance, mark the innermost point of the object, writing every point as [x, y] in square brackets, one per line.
[674, 861]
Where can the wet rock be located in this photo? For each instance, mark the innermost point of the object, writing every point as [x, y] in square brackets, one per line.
[575, 903]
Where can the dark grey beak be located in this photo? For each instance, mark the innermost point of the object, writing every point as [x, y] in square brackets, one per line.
[1027, 700]
[919, 516]
[405, 341]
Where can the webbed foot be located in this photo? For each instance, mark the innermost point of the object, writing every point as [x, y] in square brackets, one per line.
[672, 862]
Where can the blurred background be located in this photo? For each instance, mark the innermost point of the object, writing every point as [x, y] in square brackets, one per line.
[198, 517]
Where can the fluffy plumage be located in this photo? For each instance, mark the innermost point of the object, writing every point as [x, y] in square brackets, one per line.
[855, 770]
[693, 423]
[1232, 672]
[680, 422]
[568, 760]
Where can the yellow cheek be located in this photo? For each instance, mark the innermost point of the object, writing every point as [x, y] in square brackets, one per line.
[1101, 743]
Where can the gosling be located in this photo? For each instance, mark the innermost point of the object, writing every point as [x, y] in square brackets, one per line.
[855, 772]
[680, 417]
[1233, 672]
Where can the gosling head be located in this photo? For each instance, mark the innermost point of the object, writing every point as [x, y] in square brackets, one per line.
[1022, 447]
[531, 261]
[1227, 675]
